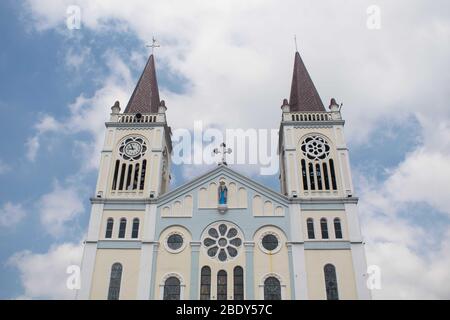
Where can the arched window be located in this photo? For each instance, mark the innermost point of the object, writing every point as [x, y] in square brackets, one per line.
[333, 175]
[116, 173]
[272, 289]
[122, 228]
[129, 185]
[136, 177]
[238, 283]
[114, 282]
[304, 175]
[205, 284]
[310, 227]
[319, 177]
[109, 228]
[135, 230]
[331, 282]
[325, 176]
[122, 176]
[144, 168]
[324, 228]
[337, 228]
[172, 289]
[311, 177]
[222, 285]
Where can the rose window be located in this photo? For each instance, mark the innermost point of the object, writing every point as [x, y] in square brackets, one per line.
[222, 242]
[133, 148]
[315, 148]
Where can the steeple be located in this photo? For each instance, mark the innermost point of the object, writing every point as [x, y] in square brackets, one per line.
[145, 98]
[304, 96]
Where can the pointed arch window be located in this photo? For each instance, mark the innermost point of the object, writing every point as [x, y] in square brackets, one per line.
[337, 228]
[122, 176]
[136, 177]
[304, 175]
[331, 285]
[311, 176]
[116, 174]
[310, 227]
[172, 289]
[319, 177]
[109, 228]
[122, 228]
[222, 285]
[129, 184]
[238, 283]
[326, 179]
[135, 230]
[324, 228]
[272, 289]
[114, 282]
[205, 283]
[144, 168]
[333, 175]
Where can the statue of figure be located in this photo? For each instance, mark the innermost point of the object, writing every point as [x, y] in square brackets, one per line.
[223, 193]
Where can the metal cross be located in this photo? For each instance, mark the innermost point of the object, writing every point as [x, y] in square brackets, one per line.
[295, 40]
[154, 45]
[224, 152]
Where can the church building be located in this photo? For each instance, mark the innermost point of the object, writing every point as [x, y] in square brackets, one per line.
[223, 236]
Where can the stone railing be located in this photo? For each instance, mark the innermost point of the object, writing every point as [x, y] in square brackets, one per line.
[309, 116]
[137, 118]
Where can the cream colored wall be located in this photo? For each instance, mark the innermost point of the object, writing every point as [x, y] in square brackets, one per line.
[265, 207]
[105, 258]
[117, 215]
[208, 195]
[276, 264]
[342, 260]
[181, 207]
[173, 263]
[330, 216]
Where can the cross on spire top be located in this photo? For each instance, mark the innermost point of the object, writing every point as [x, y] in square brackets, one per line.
[153, 45]
[224, 152]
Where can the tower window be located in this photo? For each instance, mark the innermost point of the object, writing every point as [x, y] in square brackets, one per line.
[325, 176]
[136, 177]
[116, 173]
[205, 283]
[304, 175]
[311, 177]
[238, 283]
[122, 176]
[172, 289]
[331, 282]
[144, 168]
[122, 228]
[272, 289]
[310, 227]
[337, 228]
[109, 228]
[333, 175]
[135, 231]
[324, 228]
[129, 185]
[114, 282]
[222, 285]
[319, 176]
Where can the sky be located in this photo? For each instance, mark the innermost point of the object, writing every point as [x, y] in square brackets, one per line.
[222, 58]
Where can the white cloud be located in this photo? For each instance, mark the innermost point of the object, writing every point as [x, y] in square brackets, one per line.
[59, 207]
[11, 214]
[43, 276]
[32, 145]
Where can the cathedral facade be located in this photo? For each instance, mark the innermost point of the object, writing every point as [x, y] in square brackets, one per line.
[223, 236]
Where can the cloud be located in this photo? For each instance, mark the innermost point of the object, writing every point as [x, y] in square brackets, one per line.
[43, 275]
[59, 207]
[11, 214]
[32, 146]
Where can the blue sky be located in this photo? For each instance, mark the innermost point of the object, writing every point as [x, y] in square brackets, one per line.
[57, 85]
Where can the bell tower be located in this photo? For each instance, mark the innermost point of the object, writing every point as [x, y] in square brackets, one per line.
[135, 160]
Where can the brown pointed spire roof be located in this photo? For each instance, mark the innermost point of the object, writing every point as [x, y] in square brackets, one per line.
[145, 98]
[304, 96]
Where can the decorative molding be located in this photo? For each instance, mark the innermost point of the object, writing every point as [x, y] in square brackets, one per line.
[327, 245]
[118, 244]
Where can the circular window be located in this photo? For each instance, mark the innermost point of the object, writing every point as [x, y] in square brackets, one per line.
[270, 243]
[315, 148]
[175, 242]
[222, 242]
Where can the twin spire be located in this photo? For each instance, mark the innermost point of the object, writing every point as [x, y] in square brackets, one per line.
[304, 96]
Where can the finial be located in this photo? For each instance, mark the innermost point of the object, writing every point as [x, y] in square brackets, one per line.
[154, 45]
[285, 106]
[224, 152]
[295, 41]
[162, 107]
[333, 105]
[116, 107]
